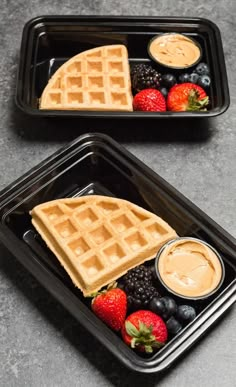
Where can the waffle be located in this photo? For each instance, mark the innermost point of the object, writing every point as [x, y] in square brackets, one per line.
[96, 79]
[97, 239]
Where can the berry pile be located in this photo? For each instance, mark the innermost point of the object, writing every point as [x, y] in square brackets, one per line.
[138, 285]
[134, 308]
[176, 317]
[152, 90]
[200, 76]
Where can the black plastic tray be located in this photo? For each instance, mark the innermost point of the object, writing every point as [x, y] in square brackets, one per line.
[96, 164]
[48, 41]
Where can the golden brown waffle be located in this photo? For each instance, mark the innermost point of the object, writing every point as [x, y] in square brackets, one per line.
[97, 238]
[96, 79]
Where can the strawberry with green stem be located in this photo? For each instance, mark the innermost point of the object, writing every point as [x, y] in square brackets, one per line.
[187, 97]
[110, 305]
[145, 331]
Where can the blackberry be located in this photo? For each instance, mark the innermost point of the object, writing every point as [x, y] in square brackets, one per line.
[138, 285]
[144, 76]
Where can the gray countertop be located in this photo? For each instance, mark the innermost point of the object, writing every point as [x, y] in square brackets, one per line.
[40, 343]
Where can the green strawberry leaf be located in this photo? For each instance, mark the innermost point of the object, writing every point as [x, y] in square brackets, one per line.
[148, 348]
[194, 103]
[142, 337]
[131, 329]
[112, 285]
[133, 343]
[144, 330]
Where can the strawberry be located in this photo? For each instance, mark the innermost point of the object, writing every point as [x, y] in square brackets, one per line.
[110, 306]
[149, 100]
[187, 96]
[144, 330]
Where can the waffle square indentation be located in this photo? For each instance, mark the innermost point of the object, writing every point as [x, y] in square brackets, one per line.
[53, 212]
[96, 97]
[94, 66]
[75, 67]
[115, 52]
[79, 246]
[156, 230]
[95, 81]
[119, 98]
[87, 217]
[92, 266]
[121, 223]
[115, 67]
[65, 229]
[74, 82]
[117, 82]
[107, 207]
[75, 97]
[74, 206]
[136, 241]
[54, 98]
[139, 215]
[100, 235]
[114, 253]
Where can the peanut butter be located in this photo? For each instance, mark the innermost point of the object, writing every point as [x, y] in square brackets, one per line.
[190, 268]
[174, 50]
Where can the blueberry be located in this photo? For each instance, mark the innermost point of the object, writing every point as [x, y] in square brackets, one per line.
[164, 306]
[164, 91]
[193, 77]
[204, 81]
[157, 306]
[168, 80]
[173, 326]
[185, 314]
[184, 78]
[170, 307]
[202, 69]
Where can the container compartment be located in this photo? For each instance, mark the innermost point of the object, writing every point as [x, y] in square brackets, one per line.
[47, 42]
[96, 164]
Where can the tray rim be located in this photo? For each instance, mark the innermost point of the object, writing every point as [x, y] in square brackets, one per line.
[38, 170]
[21, 252]
[109, 114]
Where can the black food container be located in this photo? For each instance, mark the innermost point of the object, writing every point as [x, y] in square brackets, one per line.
[49, 41]
[96, 164]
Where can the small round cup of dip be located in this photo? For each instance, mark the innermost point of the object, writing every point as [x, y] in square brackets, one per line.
[189, 268]
[175, 51]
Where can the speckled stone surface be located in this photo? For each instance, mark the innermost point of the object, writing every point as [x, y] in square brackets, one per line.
[40, 343]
